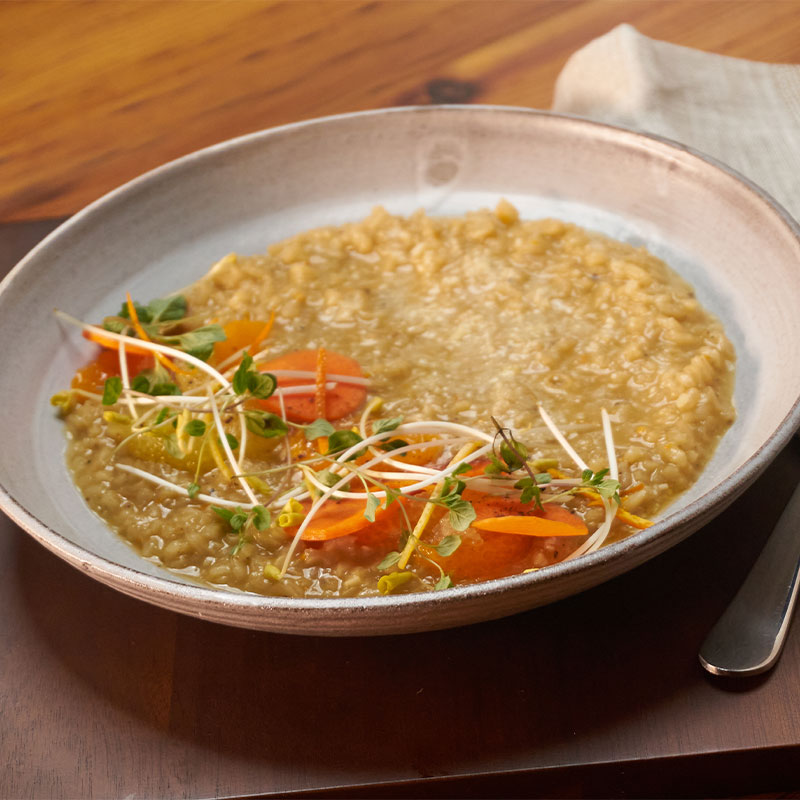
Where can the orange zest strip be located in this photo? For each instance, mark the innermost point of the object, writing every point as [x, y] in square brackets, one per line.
[137, 326]
[631, 519]
[555, 523]
[263, 333]
[320, 395]
[637, 487]
[320, 398]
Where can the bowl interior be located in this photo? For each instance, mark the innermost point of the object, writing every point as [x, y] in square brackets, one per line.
[165, 229]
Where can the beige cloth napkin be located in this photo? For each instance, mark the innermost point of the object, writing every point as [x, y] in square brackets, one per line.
[743, 113]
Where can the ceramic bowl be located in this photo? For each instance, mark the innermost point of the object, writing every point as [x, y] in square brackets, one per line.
[162, 231]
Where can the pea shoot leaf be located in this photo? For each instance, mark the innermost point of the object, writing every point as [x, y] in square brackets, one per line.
[225, 513]
[317, 429]
[112, 389]
[162, 309]
[193, 490]
[263, 423]
[343, 440]
[392, 444]
[389, 560]
[391, 496]
[233, 442]
[373, 504]
[330, 479]
[248, 379]
[198, 343]
[386, 425]
[195, 427]
[261, 517]
[461, 512]
[530, 491]
[448, 545]
[171, 446]
[443, 583]
[167, 309]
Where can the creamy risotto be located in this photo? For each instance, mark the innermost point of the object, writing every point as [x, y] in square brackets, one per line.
[399, 405]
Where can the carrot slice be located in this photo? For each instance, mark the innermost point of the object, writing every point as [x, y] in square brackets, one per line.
[338, 518]
[483, 555]
[343, 399]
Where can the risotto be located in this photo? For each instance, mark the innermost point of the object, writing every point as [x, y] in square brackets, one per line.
[401, 404]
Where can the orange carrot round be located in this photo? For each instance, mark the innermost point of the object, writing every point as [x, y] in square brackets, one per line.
[483, 555]
[343, 399]
[338, 518]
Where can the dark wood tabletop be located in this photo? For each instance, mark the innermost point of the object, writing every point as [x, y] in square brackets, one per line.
[599, 695]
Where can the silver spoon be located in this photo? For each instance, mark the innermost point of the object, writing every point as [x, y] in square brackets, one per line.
[749, 636]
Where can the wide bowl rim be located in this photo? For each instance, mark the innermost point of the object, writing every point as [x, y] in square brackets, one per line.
[169, 593]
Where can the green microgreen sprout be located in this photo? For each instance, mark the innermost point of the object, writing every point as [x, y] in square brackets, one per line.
[514, 456]
[239, 520]
[248, 380]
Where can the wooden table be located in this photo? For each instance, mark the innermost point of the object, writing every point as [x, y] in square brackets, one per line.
[601, 694]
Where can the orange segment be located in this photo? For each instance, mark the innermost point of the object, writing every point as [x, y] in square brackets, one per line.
[92, 377]
[240, 334]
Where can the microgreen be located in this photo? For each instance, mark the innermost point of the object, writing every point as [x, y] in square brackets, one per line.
[198, 343]
[447, 546]
[265, 424]
[389, 560]
[238, 519]
[386, 425]
[247, 379]
[605, 487]
[392, 444]
[373, 504]
[162, 309]
[112, 389]
[195, 427]
[171, 446]
[461, 511]
[164, 415]
[317, 429]
[328, 478]
[530, 491]
[233, 442]
[193, 489]
[343, 440]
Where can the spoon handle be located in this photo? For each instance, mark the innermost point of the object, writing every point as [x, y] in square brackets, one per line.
[748, 637]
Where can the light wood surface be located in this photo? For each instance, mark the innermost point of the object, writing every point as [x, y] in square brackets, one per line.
[94, 93]
[600, 695]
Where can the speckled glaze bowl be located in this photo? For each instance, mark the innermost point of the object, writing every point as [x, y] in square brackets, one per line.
[162, 231]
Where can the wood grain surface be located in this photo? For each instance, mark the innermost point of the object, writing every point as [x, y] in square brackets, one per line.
[600, 695]
[94, 93]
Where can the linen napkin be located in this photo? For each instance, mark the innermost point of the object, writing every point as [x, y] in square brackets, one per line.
[743, 113]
